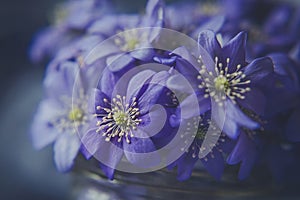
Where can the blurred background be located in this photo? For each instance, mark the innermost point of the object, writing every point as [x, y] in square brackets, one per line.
[24, 172]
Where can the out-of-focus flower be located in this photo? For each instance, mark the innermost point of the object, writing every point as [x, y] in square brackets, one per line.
[71, 19]
[62, 115]
[214, 161]
[132, 41]
[192, 17]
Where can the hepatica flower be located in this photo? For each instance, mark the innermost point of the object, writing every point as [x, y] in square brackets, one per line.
[70, 20]
[60, 117]
[231, 82]
[126, 124]
[130, 40]
[213, 161]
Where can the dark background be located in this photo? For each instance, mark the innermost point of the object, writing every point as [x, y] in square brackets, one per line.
[24, 172]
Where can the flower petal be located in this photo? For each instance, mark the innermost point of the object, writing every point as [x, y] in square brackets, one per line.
[102, 50]
[60, 82]
[185, 166]
[179, 83]
[108, 171]
[109, 153]
[42, 132]
[255, 101]
[137, 82]
[214, 165]
[119, 61]
[258, 69]
[66, 148]
[91, 140]
[144, 53]
[235, 113]
[185, 54]
[194, 105]
[207, 39]
[157, 117]
[235, 49]
[214, 24]
[141, 151]
[244, 152]
[97, 99]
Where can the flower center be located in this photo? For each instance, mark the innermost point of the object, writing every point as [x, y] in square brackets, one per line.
[205, 128]
[221, 84]
[119, 120]
[132, 43]
[73, 116]
[76, 114]
[128, 40]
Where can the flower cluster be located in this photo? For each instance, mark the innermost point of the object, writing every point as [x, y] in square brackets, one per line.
[206, 81]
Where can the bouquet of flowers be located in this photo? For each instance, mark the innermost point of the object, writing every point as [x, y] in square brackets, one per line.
[209, 83]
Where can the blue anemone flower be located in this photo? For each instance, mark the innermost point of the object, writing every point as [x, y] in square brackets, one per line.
[62, 114]
[127, 117]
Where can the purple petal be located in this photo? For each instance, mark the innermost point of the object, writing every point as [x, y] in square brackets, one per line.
[108, 171]
[244, 152]
[66, 148]
[254, 100]
[259, 69]
[235, 49]
[207, 39]
[137, 81]
[194, 105]
[185, 54]
[156, 119]
[154, 91]
[144, 53]
[97, 99]
[214, 165]
[214, 24]
[185, 166]
[154, 17]
[42, 133]
[141, 151]
[85, 152]
[179, 83]
[235, 113]
[107, 82]
[60, 82]
[91, 140]
[119, 61]
[102, 50]
[109, 153]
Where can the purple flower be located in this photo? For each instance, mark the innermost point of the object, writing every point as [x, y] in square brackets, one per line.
[277, 30]
[244, 153]
[229, 80]
[222, 75]
[201, 16]
[213, 162]
[71, 19]
[130, 41]
[126, 120]
[62, 115]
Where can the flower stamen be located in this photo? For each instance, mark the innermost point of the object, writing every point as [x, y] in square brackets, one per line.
[120, 119]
